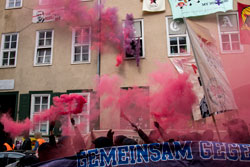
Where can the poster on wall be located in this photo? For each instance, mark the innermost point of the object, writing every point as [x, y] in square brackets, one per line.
[244, 22]
[188, 8]
[153, 5]
[45, 15]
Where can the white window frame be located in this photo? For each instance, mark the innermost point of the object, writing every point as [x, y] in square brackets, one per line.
[43, 47]
[74, 45]
[181, 35]
[87, 112]
[142, 39]
[229, 32]
[32, 111]
[15, 7]
[8, 50]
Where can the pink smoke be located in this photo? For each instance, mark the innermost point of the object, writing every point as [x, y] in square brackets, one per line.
[106, 30]
[63, 105]
[173, 97]
[14, 128]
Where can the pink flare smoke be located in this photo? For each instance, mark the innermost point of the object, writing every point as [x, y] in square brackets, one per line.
[15, 128]
[119, 60]
[106, 29]
[63, 105]
[173, 98]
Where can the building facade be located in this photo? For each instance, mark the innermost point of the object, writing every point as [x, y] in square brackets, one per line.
[42, 60]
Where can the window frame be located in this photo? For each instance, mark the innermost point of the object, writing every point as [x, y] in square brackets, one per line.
[229, 33]
[84, 44]
[142, 38]
[88, 110]
[180, 35]
[8, 50]
[43, 47]
[32, 111]
[15, 7]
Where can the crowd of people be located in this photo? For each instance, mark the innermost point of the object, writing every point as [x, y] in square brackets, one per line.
[237, 132]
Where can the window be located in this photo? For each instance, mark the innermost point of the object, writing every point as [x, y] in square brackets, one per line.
[229, 32]
[81, 41]
[178, 41]
[139, 35]
[44, 47]
[9, 50]
[137, 114]
[83, 117]
[40, 102]
[13, 4]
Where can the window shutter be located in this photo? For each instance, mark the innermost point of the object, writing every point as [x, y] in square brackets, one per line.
[94, 124]
[24, 106]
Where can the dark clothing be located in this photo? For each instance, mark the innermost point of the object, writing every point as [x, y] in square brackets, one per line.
[26, 144]
[144, 137]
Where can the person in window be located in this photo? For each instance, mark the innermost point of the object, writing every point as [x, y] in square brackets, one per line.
[39, 140]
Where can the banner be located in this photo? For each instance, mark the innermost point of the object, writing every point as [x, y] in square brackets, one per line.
[244, 23]
[45, 15]
[187, 64]
[181, 154]
[219, 95]
[153, 5]
[188, 8]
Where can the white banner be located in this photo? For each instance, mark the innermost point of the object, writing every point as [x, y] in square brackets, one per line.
[188, 65]
[218, 91]
[153, 5]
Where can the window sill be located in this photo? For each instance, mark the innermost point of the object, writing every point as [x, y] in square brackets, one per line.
[40, 65]
[180, 55]
[13, 8]
[232, 52]
[3, 67]
[75, 63]
[133, 58]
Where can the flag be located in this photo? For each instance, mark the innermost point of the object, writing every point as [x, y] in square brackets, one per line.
[188, 8]
[218, 92]
[187, 65]
[244, 22]
[153, 5]
[167, 154]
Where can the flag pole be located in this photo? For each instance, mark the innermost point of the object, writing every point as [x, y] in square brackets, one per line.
[203, 85]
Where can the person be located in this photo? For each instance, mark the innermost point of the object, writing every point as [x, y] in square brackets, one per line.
[129, 141]
[119, 140]
[9, 144]
[27, 142]
[78, 141]
[102, 142]
[39, 140]
[142, 134]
